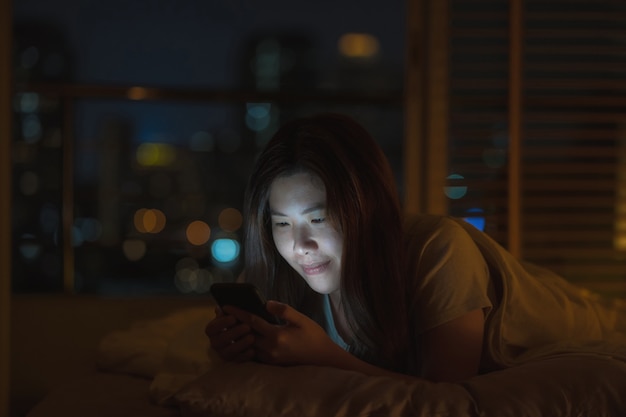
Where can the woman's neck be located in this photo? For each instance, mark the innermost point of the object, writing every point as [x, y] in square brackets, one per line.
[339, 316]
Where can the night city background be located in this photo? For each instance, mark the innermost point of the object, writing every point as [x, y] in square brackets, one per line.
[175, 101]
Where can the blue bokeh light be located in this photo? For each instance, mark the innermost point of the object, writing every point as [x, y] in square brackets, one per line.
[457, 191]
[476, 221]
[225, 250]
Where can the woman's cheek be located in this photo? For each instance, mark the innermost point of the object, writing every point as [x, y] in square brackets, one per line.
[282, 243]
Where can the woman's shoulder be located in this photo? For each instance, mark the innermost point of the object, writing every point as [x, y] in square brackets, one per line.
[433, 235]
[431, 224]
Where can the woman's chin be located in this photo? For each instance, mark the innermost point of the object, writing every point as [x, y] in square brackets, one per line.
[323, 289]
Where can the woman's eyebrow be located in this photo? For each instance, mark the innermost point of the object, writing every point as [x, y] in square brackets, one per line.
[314, 207]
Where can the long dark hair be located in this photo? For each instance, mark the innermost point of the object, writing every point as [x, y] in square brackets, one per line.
[363, 204]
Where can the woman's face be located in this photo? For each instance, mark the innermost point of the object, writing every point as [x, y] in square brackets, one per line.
[303, 234]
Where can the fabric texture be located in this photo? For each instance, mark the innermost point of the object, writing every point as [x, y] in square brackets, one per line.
[540, 314]
[449, 275]
[566, 386]
[196, 383]
[143, 347]
[253, 389]
[170, 351]
[102, 395]
[531, 311]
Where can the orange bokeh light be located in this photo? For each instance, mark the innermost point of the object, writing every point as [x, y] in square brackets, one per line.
[230, 219]
[149, 220]
[198, 233]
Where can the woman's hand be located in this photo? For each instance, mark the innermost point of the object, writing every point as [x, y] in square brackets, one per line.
[232, 340]
[299, 341]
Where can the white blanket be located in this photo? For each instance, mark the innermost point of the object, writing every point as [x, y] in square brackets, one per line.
[175, 353]
[172, 351]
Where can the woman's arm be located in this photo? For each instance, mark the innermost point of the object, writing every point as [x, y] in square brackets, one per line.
[302, 341]
[448, 274]
[452, 351]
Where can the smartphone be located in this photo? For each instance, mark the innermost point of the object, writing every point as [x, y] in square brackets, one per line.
[245, 296]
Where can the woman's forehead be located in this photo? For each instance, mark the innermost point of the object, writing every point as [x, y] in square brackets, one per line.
[302, 187]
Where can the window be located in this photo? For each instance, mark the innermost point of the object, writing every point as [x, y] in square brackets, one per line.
[514, 121]
[136, 124]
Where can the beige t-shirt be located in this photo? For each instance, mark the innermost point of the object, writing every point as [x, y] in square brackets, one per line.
[449, 275]
[531, 312]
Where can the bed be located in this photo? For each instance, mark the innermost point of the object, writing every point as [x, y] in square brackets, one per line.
[164, 368]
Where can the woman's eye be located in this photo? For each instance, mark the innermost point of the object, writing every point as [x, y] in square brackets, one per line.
[281, 224]
[318, 220]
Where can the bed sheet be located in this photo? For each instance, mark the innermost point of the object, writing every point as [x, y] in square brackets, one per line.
[102, 395]
[165, 368]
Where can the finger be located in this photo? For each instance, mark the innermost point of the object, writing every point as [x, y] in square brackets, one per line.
[218, 324]
[285, 312]
[255, 322]
[226, 337]
[238, 350]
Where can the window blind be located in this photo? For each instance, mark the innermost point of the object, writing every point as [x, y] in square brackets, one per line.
[572, 133]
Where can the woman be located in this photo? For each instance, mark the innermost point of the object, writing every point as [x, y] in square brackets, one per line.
[361, 288]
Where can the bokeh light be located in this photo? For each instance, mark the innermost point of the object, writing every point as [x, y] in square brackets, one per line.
[31, 128]
[134, 249]
[476, 219]
[156, 154]
[191, 278]
[198, 233]
[619, 239]
[619, 242]
[28, 102]
[225, 250]
[90, 229]
[230, 219]
[358, 45]
[29, 247]
[456, 191]
[258, 116]
[149, 220]
[77, 237]
[137, 93]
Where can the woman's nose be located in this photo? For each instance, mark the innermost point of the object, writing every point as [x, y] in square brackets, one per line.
[303, 241]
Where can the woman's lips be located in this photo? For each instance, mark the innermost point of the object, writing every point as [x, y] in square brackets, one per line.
[314, 269]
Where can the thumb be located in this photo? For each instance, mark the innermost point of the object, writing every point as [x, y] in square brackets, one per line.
[284, 311]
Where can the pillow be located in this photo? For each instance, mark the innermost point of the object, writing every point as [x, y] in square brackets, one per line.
[143, 348]
[254, 389]
[573, 385]
[188, 356]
